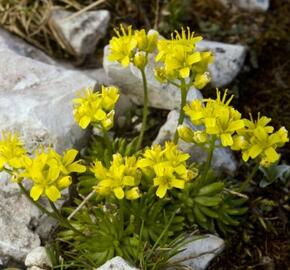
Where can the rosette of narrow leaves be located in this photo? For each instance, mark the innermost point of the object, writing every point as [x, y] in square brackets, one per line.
[206, 203]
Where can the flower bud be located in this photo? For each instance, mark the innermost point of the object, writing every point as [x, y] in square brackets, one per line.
[200, 136]
[140, 60]
[201, 80]
[133, 193]
[185, 133]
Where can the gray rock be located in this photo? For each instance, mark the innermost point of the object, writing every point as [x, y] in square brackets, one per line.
[228, 61]
[223, 159]
[16, 238]
[162, 96]
[16, 44]
[35, 100]
[251, 5]
[38, 257]
[199, 253]
[117, 263]
[80, 33]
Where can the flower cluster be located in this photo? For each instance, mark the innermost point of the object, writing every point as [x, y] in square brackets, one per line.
[220, 120]
[217, 116]
[48, 171]
[12, 151]
[180, 60]
[166, 167]
[132, 46]
[121, 178]
[258, 140]
[96, 108]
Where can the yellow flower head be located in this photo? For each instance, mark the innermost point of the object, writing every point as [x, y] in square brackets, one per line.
[12, 151]
[121, 178]
[122, 46]
[259, 141]
[180, 60]
[49, 172]
[168, 167]
[217, 117]
[96, 108]
[166, 179]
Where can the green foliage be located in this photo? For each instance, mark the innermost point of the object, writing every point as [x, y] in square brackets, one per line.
[275, 173]
[206, 203]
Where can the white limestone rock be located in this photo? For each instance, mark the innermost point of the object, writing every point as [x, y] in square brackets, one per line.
[228, 61]
[199, 253]
[19, 46]
[80, 33]
[38, 257]
[162, 96]
[117, 263]
[35, 100]
[16, 238]
[223, 159]
[251, 5]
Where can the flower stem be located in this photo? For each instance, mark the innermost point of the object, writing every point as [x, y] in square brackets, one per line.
[145, 109]
[184, 89]
[107, 139]
[64, 221]
[209, 158]
[246, 183]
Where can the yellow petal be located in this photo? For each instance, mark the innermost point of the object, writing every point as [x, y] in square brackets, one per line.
[255, 150]
[184, 72]
[177, 183]
[271, 154]
[52, 193]
[226, 139]
[236, 125]
[64, 182]
[76, 167]
[161, 191]
[35, 192]
[69, 156]
[119, 193]
[100, 115]
[84, 122]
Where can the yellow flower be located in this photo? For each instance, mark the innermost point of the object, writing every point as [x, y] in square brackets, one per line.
[110, 96]
[151, 156]
[146, 42]
[12, 151]
[180, 60]
[49, 172]
[166, 179]
[201, 80]
[96, 108]
[140, 60]
[122, 46]
[119, 179]
[195, 111]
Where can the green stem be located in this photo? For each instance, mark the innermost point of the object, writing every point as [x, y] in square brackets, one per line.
[246, 183]
[145, 109]
[107, 139]
[38, 205]
[209, 158]
[63, 220]
[184, 89]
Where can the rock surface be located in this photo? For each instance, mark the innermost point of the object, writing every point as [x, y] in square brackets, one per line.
[16, 238]
[260, 5]
[223, 159]
[117, 263]
[199, 253]
[38, 257]
[162, 96]
[16, 44]
[228, 61]
[80, 33]
[35, 100]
